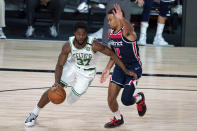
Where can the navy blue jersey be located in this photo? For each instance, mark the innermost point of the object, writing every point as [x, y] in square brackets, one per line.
[126, 50]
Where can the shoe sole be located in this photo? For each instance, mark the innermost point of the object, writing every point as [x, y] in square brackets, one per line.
[115, 126]
[30, 124]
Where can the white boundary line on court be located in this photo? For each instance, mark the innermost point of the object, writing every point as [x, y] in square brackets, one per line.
[52, 41]
[63, 41]
[170, 45]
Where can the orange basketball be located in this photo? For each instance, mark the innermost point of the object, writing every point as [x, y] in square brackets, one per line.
[57, 95]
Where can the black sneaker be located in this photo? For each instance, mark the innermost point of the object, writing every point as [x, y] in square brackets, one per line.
[114, 122]
[141, 106]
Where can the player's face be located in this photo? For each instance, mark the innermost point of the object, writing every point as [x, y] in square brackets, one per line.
[80, 35]
[112, 21]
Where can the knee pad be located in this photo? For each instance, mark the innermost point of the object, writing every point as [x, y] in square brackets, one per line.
[72, 97]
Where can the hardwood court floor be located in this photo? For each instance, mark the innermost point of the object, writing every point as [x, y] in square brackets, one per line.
[169, 84]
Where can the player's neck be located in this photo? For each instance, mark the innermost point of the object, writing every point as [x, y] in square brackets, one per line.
[79, 46]
[118, 28]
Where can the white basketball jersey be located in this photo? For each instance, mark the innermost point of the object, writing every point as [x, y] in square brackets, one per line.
[84, 58]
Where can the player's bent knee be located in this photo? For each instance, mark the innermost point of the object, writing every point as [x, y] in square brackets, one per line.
[127, 101]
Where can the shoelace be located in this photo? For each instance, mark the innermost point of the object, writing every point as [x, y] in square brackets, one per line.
[112, 120]
[29, 119]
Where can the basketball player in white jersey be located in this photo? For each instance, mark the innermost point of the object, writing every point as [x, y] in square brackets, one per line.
[76, 67]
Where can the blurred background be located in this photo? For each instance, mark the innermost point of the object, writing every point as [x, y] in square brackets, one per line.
[93, 12]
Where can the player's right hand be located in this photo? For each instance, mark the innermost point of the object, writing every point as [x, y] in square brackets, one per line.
[56, 85]
[104, 75]
[130, 73]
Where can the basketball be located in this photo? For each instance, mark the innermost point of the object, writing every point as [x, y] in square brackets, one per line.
[57, 95]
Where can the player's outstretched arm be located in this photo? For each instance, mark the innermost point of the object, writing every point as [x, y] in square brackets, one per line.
[61, 61]
[107, 51]
[128, 31]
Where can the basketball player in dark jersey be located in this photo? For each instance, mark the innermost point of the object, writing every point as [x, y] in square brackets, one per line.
[123, 43]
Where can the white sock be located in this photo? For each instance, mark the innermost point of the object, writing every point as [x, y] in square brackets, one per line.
[143, 28]
[117, 115]
[36, 110]
[160, 28]
[138, 98]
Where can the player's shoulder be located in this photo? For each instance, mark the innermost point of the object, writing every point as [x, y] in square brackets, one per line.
[66, 46]
[96, 45]
[71, 38]
[91, 40]
[95, 42]
[129, 34]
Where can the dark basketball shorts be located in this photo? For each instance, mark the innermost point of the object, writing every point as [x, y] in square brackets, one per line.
[120, 78]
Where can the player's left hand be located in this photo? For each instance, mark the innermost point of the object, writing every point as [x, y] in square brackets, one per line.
[130, 73]
[118, 14]
[104, 75]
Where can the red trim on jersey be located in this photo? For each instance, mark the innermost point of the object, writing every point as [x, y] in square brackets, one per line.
[117, 35]
[112, 36]
[137, 95]
[135, 52]
[131, 82]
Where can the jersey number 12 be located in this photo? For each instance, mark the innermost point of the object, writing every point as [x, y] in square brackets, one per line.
[117, 51]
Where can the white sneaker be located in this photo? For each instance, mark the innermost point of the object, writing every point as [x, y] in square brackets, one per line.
[30, 120]
[101, 6]
[53, 31]
[159, 40]
[98, 34]
[83, 7]
[30, 31]
[142, 40]
[177, 9]
[2, 35]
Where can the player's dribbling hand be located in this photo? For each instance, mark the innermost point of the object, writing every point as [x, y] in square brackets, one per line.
[55, 86]
[104, 75]
[130, 73]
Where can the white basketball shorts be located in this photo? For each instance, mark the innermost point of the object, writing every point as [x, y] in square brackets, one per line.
[78, 79]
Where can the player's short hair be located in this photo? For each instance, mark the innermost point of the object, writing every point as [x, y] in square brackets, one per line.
[80, 24]
[113, 9]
